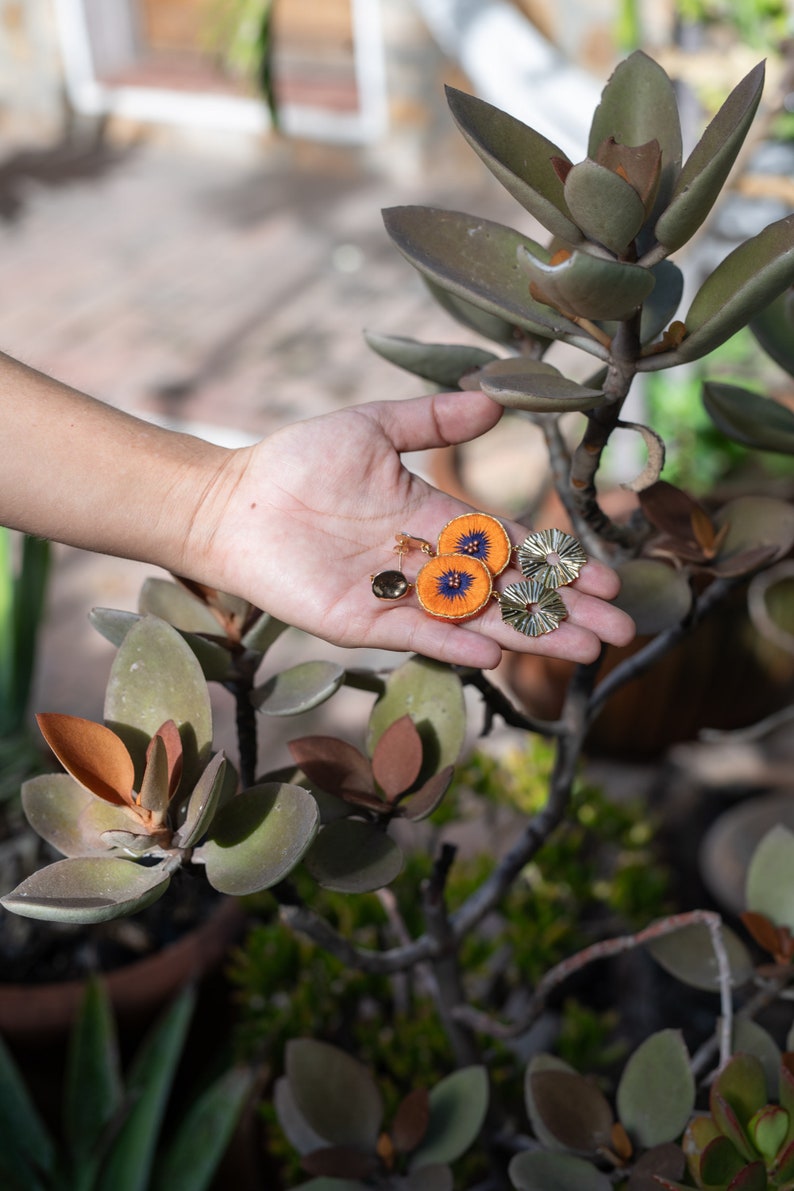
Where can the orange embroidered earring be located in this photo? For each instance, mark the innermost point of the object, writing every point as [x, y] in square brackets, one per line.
[449, 586]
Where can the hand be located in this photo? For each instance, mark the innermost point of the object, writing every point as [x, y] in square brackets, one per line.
[300, 522]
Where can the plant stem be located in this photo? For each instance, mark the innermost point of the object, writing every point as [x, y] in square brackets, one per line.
[449, 991]
[241, 687]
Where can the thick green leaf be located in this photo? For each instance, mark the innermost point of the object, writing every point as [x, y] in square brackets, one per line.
[639, 105]
[351, 856]
[297, 1131]
[263, 632]
[749, 418]
[458, 1105]
[529, 384]
[519, 157]
[442, 363]
[114, 625]
[202, 803]
[178, 606]
[605, 206]
[93, 1090]
[203, 1134]
[298, 689]
[539, 1171]
[586, 286]
[91, 889]
[741, 1086]
[770, 879]
[688, 955]
[774, 330]
[130, 1163]
[27, 1150]
[663, 301]
[571, 1108]
[336, 1095]
[720, 1162]
[706, 169]
[490, 326]
[655, 595]
[655, 1108]
[155, 677]
[259, 837]
[754, 522]
[432, 694]
[476, 260]
[69, 817]
[752, 1039]
[540, 1063]
[745, 282]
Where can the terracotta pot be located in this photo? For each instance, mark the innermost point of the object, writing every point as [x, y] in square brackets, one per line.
[41, 1011]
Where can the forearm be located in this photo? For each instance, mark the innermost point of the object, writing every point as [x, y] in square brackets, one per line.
[83, 473]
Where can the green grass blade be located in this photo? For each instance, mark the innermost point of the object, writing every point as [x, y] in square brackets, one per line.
[26, 1149]
[93, 1090]
[204, 1133]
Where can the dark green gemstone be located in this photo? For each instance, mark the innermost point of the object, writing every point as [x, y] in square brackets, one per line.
[389, 585]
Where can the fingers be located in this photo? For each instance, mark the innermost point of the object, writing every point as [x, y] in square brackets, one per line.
[436, 420]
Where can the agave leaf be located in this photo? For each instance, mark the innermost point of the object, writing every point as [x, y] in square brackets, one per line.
[769, 889]
[27, 1150]
[432, 695]
[774, 330]
[655, 595]
[351, 856]
[605, 206]
[442, 363]
[397, 758]
[571, 1108]
[750, 419]
[155, 677]
[458, 1105]
[475, 259]
[92, 754]
[539, 1171]
[298, 689]
[530, 384]
[519, 157]
[87, 889]
[490, 326]
[706, 169]
[334, 1093]
[66, 815]
[586, 286]
[202, 803]
[179, 607]
[639, 105]
[132, 1157]
[93, 1089]
[259, 837]
[747, 280]
[689, 956]
[203, 1133]
[654, 1110]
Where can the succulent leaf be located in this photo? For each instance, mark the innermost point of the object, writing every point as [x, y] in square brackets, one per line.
[605, 206]
[519, 157]
[748, 279]
[655, 595]
[720, 1162]
[586, 286]
[258, 837]
[428, 797]
[475, 259]
[750, 419]
[639, 105]
[656, 1093]
[177, 606]
[92, 754]
[539, 1171]
[299, 689]
[87, 889]
[202, 803]
[572, 1109]
[263, 632]
[457, 1105]
[737, 1093]
[411, 1120]
[655, 1165]
[490, 326]
[706, 169]
[334, 765]
[69, 817]
[443, 364]
[519, 383]
[774, 330]
[334, 1093]
[755, 523]
[689, 956]
[351, 856]
[769, 889]
[397, 758]
[432, 695]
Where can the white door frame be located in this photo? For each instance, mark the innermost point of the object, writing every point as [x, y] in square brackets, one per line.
[100, 35]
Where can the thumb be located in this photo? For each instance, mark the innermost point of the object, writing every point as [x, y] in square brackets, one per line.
[437, 420]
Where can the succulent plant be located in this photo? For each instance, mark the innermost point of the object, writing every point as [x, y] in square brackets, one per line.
[331, 1110]
[143, 795]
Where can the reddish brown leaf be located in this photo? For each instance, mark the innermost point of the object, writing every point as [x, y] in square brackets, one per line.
[411, 1121]
[153, 795]
[762, 929]
[397, 758]
[671, 510]
[169, 734]
[425, 800]
[562, 167]
[92, 754]
[339, 1162]
[333, 765]
[705, 531]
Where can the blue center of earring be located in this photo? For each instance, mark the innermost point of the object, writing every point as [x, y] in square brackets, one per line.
[453, 584]
[475, 544]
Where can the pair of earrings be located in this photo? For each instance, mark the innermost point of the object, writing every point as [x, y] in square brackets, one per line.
[457, 581]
